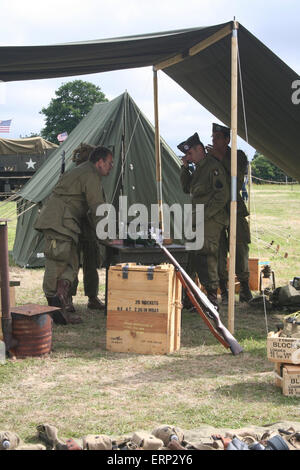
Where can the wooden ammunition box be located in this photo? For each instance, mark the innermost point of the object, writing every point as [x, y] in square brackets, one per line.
[255, 266]
[287, 377]
[143, 309]
[283, 349]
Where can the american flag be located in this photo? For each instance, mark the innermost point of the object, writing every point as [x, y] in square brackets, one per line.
[61, 137]
[5, 126]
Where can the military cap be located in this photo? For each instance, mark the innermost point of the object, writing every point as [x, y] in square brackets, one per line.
[223, 129]
[185, 146]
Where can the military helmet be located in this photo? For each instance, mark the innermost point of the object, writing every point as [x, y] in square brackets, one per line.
[81, 153]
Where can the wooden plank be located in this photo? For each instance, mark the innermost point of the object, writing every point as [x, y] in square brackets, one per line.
[136, 342]
[137, 302]
[194, 49]
[178, 308]
[132, 321]
[254, 269]
[139, 282]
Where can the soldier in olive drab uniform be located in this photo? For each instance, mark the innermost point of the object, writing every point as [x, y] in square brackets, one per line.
[221, 150]
[89, 250]
[74, 200]
[207, 185]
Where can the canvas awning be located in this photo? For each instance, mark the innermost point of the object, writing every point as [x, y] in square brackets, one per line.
[273, 121]
[29, 145]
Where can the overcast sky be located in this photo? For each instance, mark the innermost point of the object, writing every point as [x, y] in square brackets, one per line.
[30, 22]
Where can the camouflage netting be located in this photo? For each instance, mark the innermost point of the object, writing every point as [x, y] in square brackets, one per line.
[285, 434]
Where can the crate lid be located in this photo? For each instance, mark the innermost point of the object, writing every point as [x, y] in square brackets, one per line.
[291, 368]
[164, 267]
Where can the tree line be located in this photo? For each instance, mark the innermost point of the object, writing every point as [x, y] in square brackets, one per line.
[263, 168]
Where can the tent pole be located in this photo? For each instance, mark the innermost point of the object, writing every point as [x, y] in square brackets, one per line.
[157, 151]
[233, 203]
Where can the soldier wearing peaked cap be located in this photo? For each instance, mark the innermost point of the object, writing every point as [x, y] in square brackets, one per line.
[207, 185]
[221, 150]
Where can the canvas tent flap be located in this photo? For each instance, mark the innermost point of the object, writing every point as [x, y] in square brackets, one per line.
[271, 117]
[108, 124]
[273, 120]
[30, 145]
[78, 58]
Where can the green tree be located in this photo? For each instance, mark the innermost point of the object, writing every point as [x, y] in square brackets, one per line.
[263, 168]
[73, 101]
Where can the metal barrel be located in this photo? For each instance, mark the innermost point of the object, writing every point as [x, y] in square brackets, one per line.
[33, 334]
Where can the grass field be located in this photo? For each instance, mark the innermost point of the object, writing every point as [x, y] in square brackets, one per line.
[81, 388]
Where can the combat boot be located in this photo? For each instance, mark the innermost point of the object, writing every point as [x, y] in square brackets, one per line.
[70, 306]
[95, 303]
[212, 295]
[245, 292]
[224, 292]
[63, 316]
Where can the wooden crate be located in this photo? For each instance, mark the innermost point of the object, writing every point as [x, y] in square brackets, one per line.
[283, 349]
[287, 377]
[255, 267]
[143, 314]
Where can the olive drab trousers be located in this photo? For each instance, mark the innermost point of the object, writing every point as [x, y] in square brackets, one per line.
[242, 251]
[61, 261]
[204, 262]
[89, 254]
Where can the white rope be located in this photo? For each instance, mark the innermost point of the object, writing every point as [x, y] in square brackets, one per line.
[33, 205]
[274, 182]
[246, 133]
[242, 93]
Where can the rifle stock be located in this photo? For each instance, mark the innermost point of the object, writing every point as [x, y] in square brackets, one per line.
[204, 307]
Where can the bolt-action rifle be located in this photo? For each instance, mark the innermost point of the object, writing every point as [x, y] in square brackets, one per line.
[204, 307]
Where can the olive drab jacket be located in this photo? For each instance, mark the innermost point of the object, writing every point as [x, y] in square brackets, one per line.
[208, 185]
[76, 196]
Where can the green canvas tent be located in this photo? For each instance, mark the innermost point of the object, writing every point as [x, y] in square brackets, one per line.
[118, 124]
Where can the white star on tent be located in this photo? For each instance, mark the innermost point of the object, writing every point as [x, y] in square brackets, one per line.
[30, 164]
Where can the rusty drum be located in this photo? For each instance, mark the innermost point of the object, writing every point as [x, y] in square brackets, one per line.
[32, 328]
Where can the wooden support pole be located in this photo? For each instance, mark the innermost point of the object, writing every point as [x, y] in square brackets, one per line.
[157, 150]
[233, 203]
[195, 49]
[249, 190]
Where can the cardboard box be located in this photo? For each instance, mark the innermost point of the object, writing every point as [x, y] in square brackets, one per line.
[283, 349]
[287, 377]
[143, 309]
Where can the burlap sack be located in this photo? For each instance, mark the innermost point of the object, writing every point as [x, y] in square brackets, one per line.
[97, 442]
[165, 432]
[146, 440]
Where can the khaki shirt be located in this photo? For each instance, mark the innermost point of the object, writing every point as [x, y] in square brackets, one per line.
[76, 196]
[208, 185]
